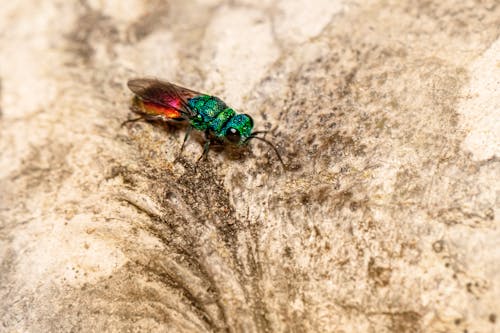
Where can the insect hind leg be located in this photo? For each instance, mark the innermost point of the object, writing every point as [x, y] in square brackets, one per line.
[137, 111]
[206, 147]
[133, 120]
[186, 137]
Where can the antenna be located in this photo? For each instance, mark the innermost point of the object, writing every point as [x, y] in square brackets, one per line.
[270, 144]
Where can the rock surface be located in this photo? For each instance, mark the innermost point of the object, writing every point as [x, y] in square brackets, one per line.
[387, 114]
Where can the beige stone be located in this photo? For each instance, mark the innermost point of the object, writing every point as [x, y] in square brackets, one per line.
[386, 220]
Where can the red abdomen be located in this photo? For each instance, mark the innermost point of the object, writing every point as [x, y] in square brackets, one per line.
[154, 109]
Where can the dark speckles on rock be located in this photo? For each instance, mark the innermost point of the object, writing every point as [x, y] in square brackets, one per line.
[322, 194]
[379, 274]
[438, 246]
[154, 19]
[405, 321]
[305, 198]
[238, 180]
[92, 28]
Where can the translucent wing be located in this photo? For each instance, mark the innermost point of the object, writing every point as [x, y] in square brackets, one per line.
[162, 98]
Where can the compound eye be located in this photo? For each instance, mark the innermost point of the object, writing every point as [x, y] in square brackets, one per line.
[233, 135]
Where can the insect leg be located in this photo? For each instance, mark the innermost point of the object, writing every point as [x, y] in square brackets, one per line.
[142, 116]
[188, 132]
[133, 120]
[206, 147]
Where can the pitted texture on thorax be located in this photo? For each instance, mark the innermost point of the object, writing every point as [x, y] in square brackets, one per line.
[206, 108]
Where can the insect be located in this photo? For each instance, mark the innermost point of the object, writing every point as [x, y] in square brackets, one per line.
[165, 101]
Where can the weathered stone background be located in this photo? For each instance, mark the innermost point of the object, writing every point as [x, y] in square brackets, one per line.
[387, 113]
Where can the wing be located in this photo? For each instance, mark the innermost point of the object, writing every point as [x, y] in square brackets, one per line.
[163, 98]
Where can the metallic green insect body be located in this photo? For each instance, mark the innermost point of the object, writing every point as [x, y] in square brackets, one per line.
[214, 115]
[159, 100]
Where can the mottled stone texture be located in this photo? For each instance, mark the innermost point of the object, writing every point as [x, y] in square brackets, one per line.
[387, 113]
